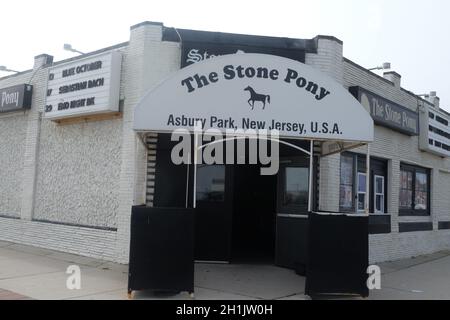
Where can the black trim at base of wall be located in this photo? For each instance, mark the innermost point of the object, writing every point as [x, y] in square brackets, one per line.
[380, 224]
[415, 226]
[444, 225]
[9, 217]
[76, 225]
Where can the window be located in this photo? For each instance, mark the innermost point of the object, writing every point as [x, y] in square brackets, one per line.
[439, 132]
[296, 186]
[414, 191]
[211, 183]
[346, 185]
[421, 195]
[442, 121]
[361, 191]
[379, 197]
[406, 189]
[353, 184]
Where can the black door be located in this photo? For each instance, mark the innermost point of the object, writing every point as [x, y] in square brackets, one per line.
[213, 221]
[213, 216]
[254, 211]
[292, 216]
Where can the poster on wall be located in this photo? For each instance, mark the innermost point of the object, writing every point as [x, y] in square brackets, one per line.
[83, 87]
[346, 194]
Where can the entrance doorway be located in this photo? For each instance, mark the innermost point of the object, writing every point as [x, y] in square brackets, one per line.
[245, 217]
[254, 216]
[241, 216]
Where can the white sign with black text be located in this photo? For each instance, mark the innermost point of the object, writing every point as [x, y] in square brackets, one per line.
[255, 91]
[83, 87]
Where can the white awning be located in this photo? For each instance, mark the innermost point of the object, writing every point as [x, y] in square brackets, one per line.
[255, 91]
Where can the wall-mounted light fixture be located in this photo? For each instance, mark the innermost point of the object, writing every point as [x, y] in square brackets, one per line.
[68, 47]
[384, 66]
[3, 68]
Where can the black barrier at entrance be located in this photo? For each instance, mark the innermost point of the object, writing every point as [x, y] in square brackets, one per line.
[161, 250]
[338, 255]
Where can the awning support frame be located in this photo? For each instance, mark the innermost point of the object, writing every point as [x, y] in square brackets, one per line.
[311, 176]
[367, 198]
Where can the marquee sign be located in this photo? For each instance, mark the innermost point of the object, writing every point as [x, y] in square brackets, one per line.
[16, 98]
[255, 91]
[83, 87]
[387, 113]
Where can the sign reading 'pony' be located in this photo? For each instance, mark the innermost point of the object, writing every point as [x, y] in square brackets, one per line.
[255, 91]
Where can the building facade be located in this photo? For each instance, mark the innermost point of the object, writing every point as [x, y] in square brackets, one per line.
[72, 170]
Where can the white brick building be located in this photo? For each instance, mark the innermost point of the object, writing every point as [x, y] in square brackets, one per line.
[70, 187]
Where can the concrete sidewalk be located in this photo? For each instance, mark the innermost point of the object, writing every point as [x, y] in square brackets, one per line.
[33, 273]
[422, 278]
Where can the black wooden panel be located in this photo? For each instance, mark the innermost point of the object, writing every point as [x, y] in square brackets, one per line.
[292, 243]
[161, 250]
[415, 226]
[444, 225]
[338, 255]
[380, 224]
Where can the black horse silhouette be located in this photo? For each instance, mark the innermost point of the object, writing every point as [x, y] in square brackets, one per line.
[254, 97]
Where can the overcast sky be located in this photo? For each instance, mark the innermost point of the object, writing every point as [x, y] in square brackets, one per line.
[411, 34]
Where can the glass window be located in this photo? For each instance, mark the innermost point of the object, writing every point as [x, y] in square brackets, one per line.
[346, 187]
[210, 183]
[406, 190]
[361, 191]
[421, 197]
[379, 195]
[353, 184]
[379, 185]
[442, 121]
[414, 190]
[362, 183]
[296, 186]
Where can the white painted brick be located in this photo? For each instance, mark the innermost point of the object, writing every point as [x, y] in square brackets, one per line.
[396, 148]
[40, 178]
